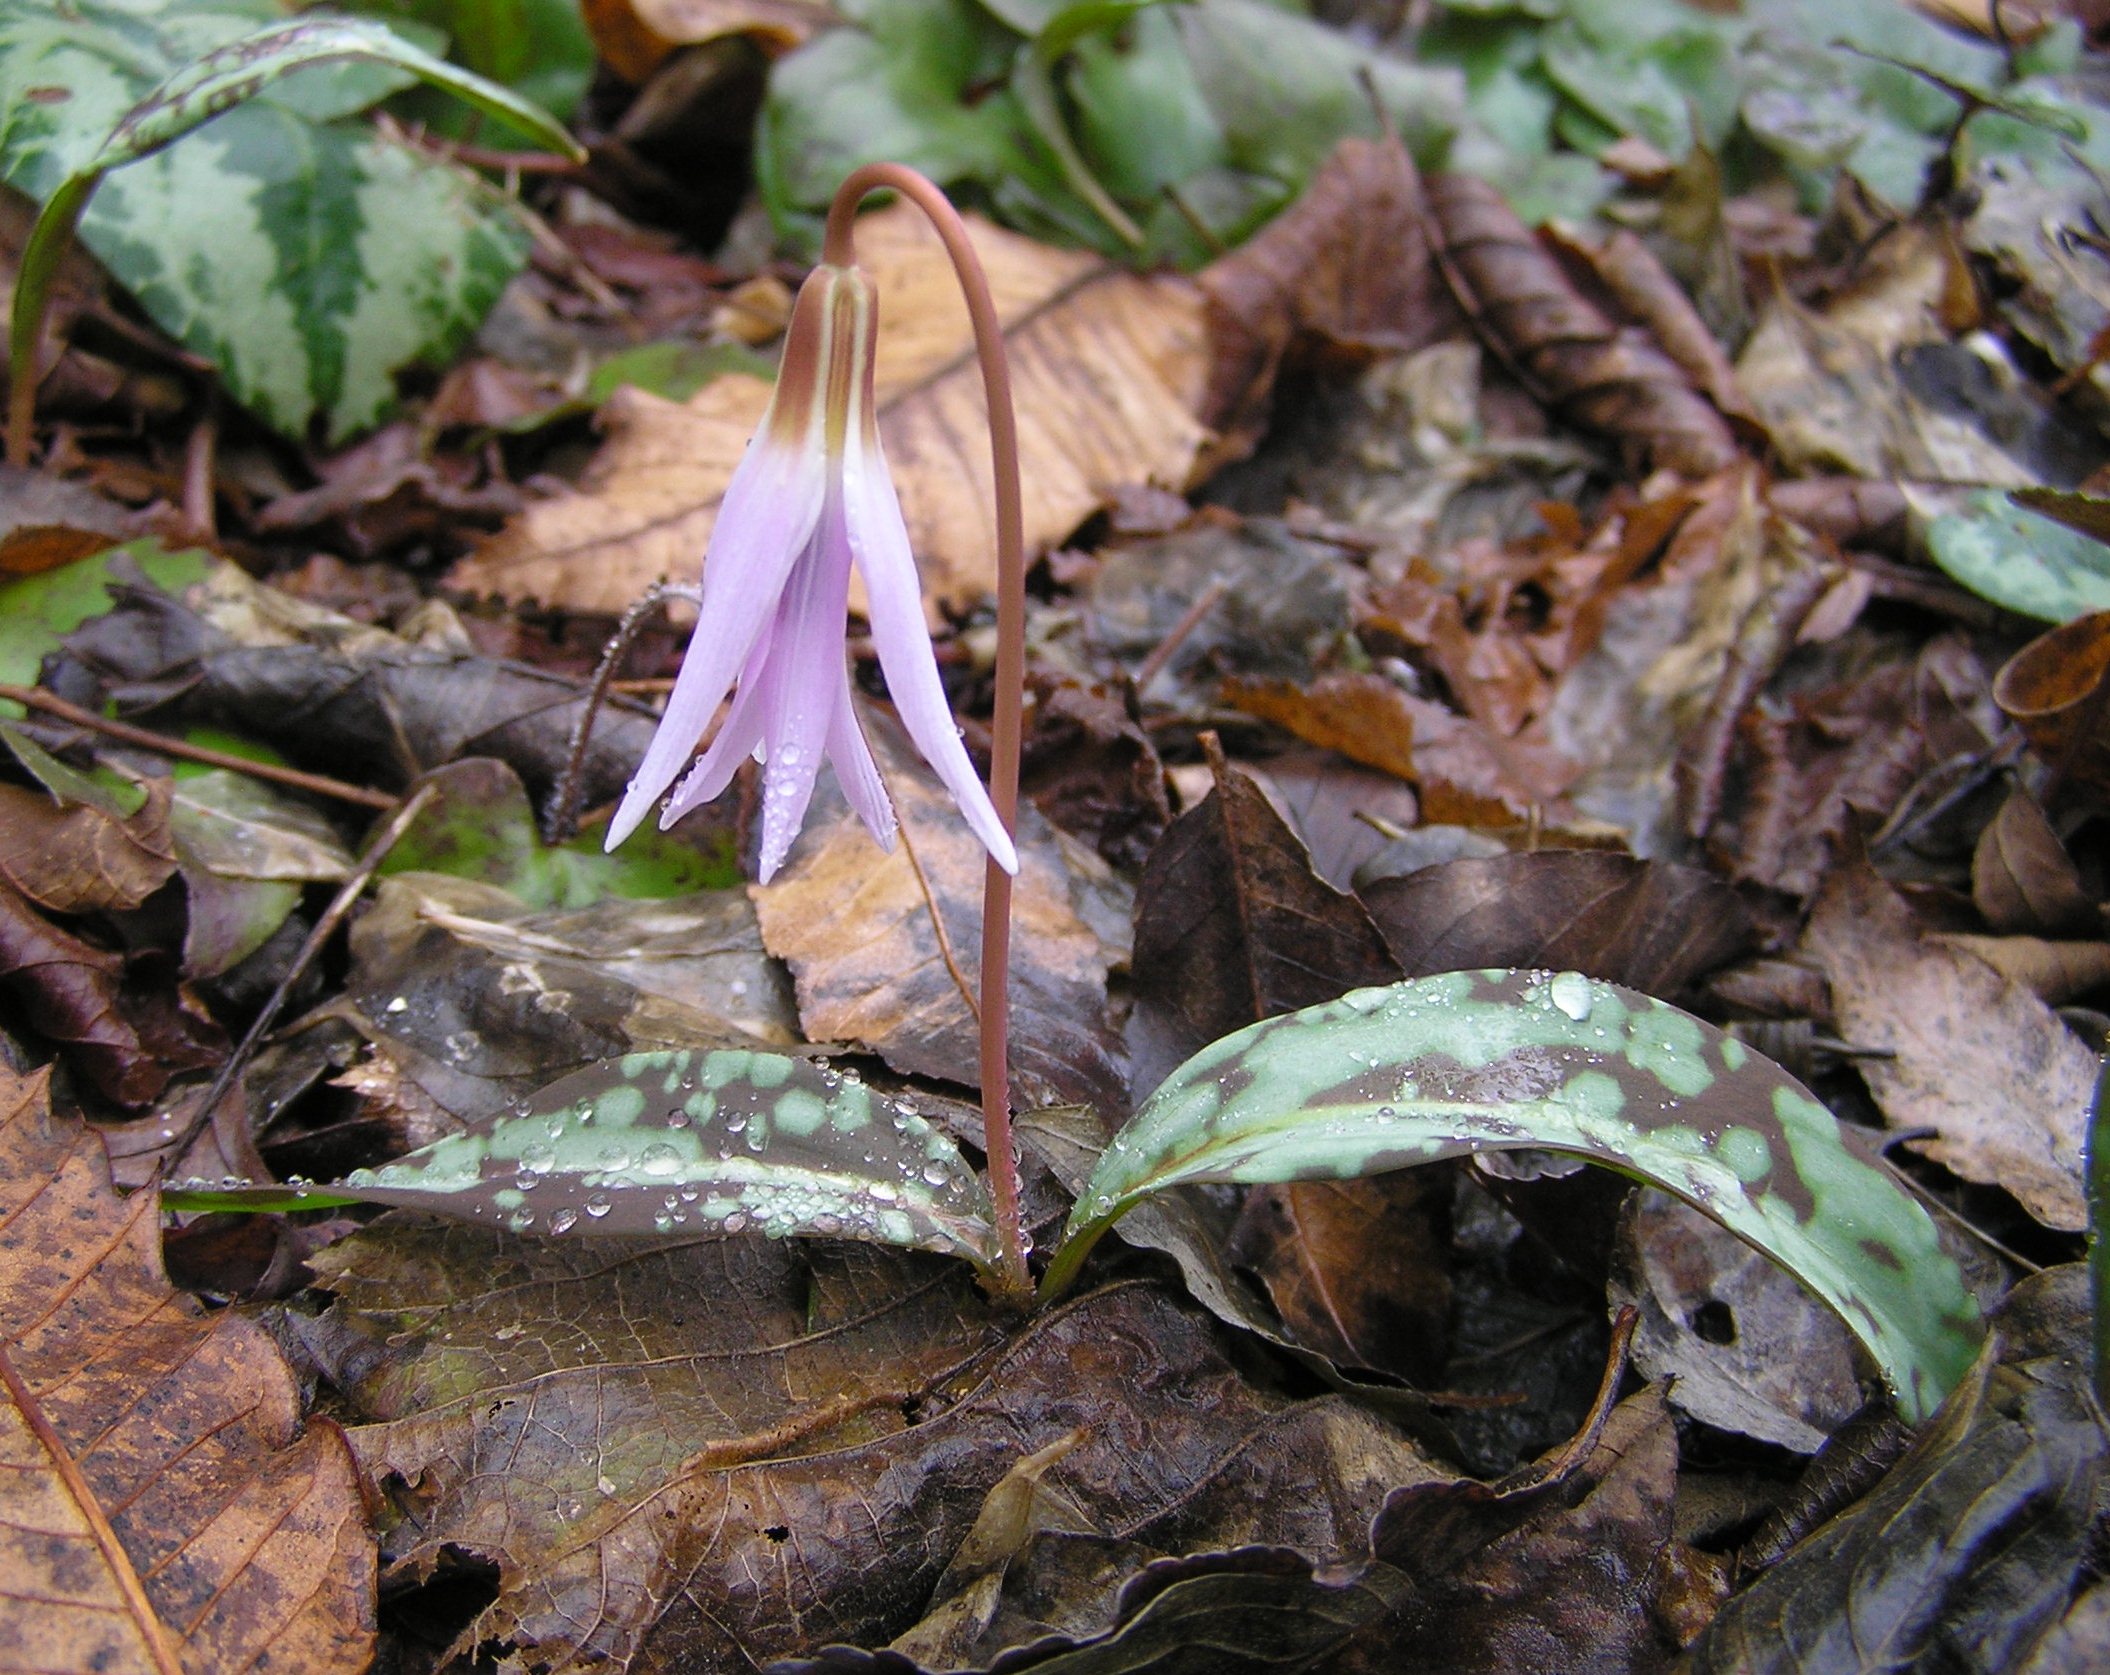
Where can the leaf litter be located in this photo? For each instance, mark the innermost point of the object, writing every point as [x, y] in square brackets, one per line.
[1498, 647]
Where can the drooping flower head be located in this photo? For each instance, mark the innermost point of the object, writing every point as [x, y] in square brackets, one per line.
[810, 499]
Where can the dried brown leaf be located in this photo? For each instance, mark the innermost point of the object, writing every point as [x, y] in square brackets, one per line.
[1466, 773]
[1561, 345]
[1651, 925]
[2055, 972]
[74, 858]
[1232, 926]
[1108, 370]
[70, 993]
[698, 1456]
[2004, 1084]
[2058, 689]
[1090, 768]
[634, 37]
[1347, 265]
[163, 1495]
[886, 947]
[2022, 879]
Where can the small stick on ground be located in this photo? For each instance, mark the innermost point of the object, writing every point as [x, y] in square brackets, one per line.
[353, 887]
[321, 785]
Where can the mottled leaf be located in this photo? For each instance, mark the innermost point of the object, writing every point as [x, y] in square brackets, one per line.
[329, 261]
[2019, 558]
[1965, 1555]
[163, 1506]
[1495, 1061]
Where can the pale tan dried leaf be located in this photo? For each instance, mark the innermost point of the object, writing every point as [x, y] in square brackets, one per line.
[2004, 1084]
[634, 37]
[227, 1534]
[2055, 972]
[1108, 370]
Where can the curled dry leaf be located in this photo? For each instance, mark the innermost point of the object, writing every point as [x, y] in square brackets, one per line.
[1990, 1068]
[1652, 925]
[2057, 688]
[1346, 265]
[2022, 879]
[1562, 346]
[2055, 972]
[165, 1509]
[1090, 768]
[634, 37]
[886, 947]
[70, 993]
[1466, 772]
[1108, 370]
[78, 857]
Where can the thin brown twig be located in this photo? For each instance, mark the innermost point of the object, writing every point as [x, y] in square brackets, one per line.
[1178, 634]
[354, 886]
[320, 784]
[839, 247]
[563, 817]
[937, 925]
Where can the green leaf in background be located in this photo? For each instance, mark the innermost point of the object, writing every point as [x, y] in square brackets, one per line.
[681, 1143]
[308, 260]
[38, 612]
[1501, 1060]
[482, 827]
[2016, 558]
[538, 48]
[246, 849]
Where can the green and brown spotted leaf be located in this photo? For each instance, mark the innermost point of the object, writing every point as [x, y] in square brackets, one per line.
[680, 1143]
[1503, 1060]
[328, 260]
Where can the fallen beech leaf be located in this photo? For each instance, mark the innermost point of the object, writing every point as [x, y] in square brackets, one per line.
[2055, 972]
[1232, 926]
[1742, 1346]
[2003, 1082]
[1650, 925]
[1358, 1270]
[886, 947]
[1466, 773]
[1965, 1555]
[1108, 370]
[736, 1449]
[1347, 265]
[2058, 689]
[164, 1502]
[1562, 347]
[2022, 879]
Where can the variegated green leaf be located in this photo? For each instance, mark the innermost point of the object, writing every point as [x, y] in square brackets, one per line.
[1501, 1060]
[306, 258]
[681, 1143]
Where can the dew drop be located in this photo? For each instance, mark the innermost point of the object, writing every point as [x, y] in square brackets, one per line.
[735, 1121]
[564, 1221]
[1570, 992]
[538, 1158]
[935, 1173]
[659, 1158]
[664, 1220]
[736, 1222]
[526, 1179]
[599, 1205]
[521, 1220]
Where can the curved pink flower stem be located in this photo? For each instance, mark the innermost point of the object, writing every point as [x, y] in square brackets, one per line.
[839, 248]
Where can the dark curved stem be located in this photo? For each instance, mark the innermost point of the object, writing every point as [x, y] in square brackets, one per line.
[839, 248]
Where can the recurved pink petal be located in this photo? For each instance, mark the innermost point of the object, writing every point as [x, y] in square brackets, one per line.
[856, 772]
[765, 521]
[879, 542]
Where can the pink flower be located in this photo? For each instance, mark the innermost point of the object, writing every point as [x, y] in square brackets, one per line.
[810, 498]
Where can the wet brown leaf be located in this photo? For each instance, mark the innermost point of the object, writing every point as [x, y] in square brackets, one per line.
[79, 858]
[730, 1450]
[1358, 1270]
[165, 1508]
[1090, 768]
[886, 947]
[1232, 925]
[1966, 1554]
[1347, 265]
[1562, 346]
[2058, 689]
[1465, 773]
[1108, 370]
[1651, 925]
[2003, 1082]
[1742, 1345]
[2022, 879]
[70, 994]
